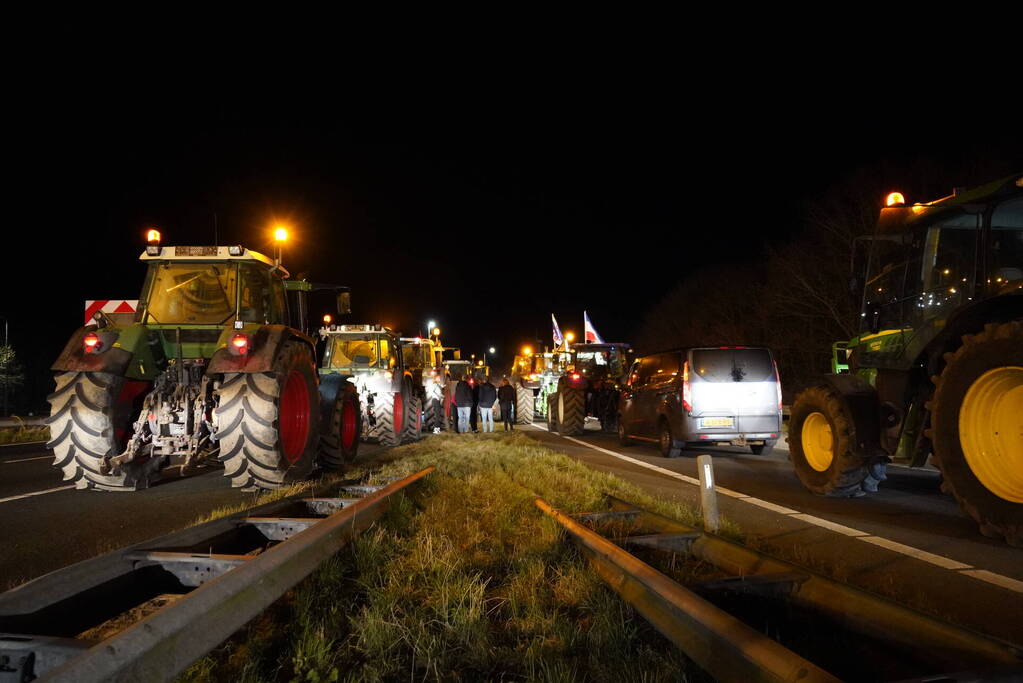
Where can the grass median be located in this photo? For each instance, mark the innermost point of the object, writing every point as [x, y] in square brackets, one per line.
[463, 580]
[27, 434]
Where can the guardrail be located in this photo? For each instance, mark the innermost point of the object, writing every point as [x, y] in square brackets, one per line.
[231, 570]
[728, 649]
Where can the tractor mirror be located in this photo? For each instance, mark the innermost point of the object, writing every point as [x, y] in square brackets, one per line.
[874, 316]
[344, 302]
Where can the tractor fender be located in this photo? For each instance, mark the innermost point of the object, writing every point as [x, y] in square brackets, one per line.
[861, 404]
[73, 358]
[266, 344]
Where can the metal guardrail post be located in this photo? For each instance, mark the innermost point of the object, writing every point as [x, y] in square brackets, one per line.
[719, 643]
[165, 643]
[708, 494]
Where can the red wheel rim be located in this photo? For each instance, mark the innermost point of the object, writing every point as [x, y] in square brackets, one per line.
[399, 413]
[348, 424]
[294, 417]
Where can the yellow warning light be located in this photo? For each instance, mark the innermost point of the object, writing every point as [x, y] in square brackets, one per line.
[281, 234]
[479, 363]
[527, 351]
[436, 332]
[327, 318]
[894, 198]
[153, 236]
[946, 271]
[569, 336]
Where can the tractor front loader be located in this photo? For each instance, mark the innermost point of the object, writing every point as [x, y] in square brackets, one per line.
[216, 367]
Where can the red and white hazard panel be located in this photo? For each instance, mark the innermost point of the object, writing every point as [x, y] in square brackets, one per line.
[110, 306]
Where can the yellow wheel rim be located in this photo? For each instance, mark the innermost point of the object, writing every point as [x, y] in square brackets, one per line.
[991, 431]
[818, 444]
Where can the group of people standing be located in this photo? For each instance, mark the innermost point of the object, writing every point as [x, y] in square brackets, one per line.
[476, 398]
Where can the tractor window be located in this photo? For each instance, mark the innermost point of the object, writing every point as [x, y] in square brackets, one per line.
[886, 274]
[1006, 253]
[280, 301]
[414, 356]
[347, 352]
[948, 268]
[254, 296]
[190, 293]
[387, 354]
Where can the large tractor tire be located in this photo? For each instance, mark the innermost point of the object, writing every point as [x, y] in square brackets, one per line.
[91, 416]
[267, 422]
[434, 417]
[340, 445]
[820, 445]
[552, 413]
[413, 428]
[571, 408]
[977, 429]
[525, 403]
[389, 417]
[607, 410]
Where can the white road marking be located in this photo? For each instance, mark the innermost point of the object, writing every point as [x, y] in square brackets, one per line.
[909, 551]
[36, 493]
[38, 457]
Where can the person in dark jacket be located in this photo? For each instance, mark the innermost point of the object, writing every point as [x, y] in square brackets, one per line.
[488, 394]
[474, 382]
[463, 402]
[506, 395]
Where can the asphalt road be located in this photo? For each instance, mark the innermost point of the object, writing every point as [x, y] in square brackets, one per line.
[58, 526]
[908, 541]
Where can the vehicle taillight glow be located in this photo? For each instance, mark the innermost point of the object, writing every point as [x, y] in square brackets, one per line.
[240, 344]
[687, 389]
[575, 375]
[777, 383]
[92, 342]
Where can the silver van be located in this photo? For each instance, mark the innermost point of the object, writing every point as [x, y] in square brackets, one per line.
[723, 395]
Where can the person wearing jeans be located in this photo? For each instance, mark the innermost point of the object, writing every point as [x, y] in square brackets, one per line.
[488, 394]
[463, 401]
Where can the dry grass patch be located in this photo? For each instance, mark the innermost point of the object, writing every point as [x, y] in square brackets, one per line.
[464, 580]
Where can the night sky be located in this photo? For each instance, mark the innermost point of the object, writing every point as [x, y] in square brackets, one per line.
[485, 213]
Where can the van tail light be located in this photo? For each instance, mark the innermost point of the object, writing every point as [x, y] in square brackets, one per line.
[777, 383]
[687, 389]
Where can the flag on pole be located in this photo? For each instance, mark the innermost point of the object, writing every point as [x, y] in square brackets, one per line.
[591, 334]
[558, 339]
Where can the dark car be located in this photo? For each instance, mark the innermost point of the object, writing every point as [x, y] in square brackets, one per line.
[728, 395]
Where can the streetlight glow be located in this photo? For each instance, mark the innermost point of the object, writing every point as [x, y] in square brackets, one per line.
[281, 234]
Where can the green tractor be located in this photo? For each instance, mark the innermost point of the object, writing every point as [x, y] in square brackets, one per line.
[422, 357]
[366, 392]
[217, 365]
[937, 370]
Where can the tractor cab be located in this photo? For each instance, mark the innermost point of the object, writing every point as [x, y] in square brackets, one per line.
[601, 362]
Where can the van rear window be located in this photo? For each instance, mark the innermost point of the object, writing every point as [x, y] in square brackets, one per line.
[733, 365]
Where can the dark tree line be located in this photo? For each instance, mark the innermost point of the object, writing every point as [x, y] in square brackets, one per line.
[797, 298]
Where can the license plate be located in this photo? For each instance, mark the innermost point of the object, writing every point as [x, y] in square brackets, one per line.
[716, 422]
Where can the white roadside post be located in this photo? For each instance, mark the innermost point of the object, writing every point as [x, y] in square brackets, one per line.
[708, 496]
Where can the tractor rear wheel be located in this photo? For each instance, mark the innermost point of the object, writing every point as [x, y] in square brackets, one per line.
[525, 403]
[340, 444]
[571, 411]
[434, 407]
[413, 428]
[389, 417]
[977, 429]
[266, 421]
[820, 445]
[552, 413]
[91, 417]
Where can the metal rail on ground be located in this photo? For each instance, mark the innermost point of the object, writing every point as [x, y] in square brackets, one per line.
[215, 576]
[695, 618]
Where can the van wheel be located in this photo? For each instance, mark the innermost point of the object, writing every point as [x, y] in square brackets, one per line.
[670, 448]
[764, 448]
[623, 438]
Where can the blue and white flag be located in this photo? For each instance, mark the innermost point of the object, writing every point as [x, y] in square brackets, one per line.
[591, 333]
[558, 339]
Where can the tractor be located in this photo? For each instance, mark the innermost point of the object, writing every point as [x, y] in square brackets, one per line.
[216, 365]
[937, 369]
[535, 376]
[365, 391]
[422, 356]
[589, 387]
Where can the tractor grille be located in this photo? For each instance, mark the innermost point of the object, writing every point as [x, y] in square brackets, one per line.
[192, 336]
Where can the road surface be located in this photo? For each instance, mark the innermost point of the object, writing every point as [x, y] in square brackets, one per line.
[908, 542]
